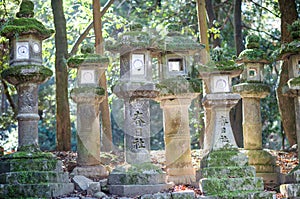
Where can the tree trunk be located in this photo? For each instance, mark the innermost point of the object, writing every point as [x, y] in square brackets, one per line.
[104, 107]
[63, 127]
[286, 104]
[236, 116]
[211, 19]
[202, 26]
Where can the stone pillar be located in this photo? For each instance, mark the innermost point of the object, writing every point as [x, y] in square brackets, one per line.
[262, 160]
[88, 130]
[28, 116]
[177, 138]
[137, 133]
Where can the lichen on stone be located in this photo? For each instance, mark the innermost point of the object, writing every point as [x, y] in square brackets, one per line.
[26, 73]
[88, 90]
[179, 85]
[77, 60]
[22, 26]
[252, 53]
[251, 88]
[26, 9]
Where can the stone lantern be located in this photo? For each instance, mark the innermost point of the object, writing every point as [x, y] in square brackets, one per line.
[29, 172]
[88, 96]
[224, 170]
[291, 53]
[177, 90]
[252, 90]
[135, 86]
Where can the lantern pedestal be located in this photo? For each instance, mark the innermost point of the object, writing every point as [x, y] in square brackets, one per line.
[263, 161]
[138, 176]
[177, 137]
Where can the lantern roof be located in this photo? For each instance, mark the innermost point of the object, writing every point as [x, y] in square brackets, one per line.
[137, 39]
[87, 56]
[25, 24]
[252, 53]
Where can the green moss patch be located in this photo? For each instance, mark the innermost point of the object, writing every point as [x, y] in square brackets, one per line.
[27, 155]
[179, 85]
[173, 42]
[22, 26]
[88, 90]
[77, 60]
[26, 73]
[251, 88]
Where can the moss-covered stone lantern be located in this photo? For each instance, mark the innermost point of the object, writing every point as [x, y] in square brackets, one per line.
[137, 89]
[29, 172]
[252, 89]
[224, 169]
[178, 87]
[290, 52]
[88, 96]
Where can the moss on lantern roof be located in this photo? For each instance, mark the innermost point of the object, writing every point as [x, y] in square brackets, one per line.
[294, 29]
[179, 85]
[88, 90]
[26, 9]
[252, 53]
[130, 41]
[23, 26]
[219, 62]
[77, 60]
[174, 41]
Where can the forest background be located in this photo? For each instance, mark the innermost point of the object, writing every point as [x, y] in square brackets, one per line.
[229, 22]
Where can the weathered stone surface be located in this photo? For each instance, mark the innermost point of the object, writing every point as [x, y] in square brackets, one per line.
[137, 178]
[137, 133]
[136, 190]
[48, 190]
[96, 171]
[183, 195]
[33, 177]
[99, 195]
[213, 186]
[157, 196]
[232, 171]
[177, 133]
[81, 182]
[93, 187]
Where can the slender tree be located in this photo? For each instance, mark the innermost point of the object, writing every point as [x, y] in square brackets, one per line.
[104, 107]
[236, 112]
[63, 127]
[286, 104]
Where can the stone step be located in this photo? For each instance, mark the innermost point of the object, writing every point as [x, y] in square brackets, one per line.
[242, 195]
[35, 190]
[136, 178]
[37, 164]
[224, 158]
[230, 172]
[212, 186]
[33, 177]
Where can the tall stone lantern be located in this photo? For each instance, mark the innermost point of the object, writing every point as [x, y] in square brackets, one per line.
[291, 53]
[29, 172]
[135, 86]
[252, 90]
[177, 89]
[88, 96]
[224, 170]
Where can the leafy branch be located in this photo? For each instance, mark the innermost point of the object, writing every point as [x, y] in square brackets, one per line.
[88, 28]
